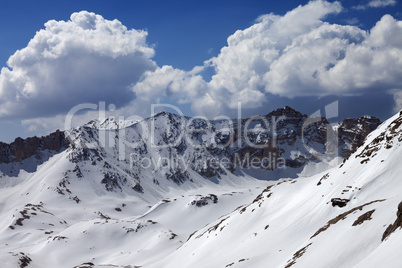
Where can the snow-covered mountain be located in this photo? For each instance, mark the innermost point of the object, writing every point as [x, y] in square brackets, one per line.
[172, 191]
[349, 216]
[279, 140]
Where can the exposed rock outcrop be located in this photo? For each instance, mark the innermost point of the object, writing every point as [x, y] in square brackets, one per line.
[397, 224]
[284, 138]
[22, 149]
[339, 202]
[353, 131]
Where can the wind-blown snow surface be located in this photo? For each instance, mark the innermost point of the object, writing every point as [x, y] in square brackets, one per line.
[293, 223]
[63, 215]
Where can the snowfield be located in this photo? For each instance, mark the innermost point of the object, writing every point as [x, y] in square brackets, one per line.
[88, 208]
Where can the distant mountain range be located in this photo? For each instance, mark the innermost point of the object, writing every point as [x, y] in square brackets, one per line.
[175, 191]
[285, 137]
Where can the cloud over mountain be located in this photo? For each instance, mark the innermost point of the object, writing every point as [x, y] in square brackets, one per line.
[294, 55]
[91, 59]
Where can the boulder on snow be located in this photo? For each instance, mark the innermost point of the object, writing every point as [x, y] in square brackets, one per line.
[339, 202]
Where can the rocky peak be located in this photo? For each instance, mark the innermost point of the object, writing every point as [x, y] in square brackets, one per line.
[352, 132]
[387, 139]
[365, 123]
[284, 137]
[286, 111]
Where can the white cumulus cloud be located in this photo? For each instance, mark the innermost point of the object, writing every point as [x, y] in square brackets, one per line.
[295, 55]
[91, 59]
[85, 59]
[242, 65]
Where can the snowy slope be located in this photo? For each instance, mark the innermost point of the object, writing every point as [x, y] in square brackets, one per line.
[294, 224]
[93, 205]
[64, 210]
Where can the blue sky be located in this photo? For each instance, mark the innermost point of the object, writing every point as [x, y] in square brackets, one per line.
[185, 32]
[181, 35]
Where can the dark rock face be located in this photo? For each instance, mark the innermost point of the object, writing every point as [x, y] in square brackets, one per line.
[385, 140]
[22, 149]
[286, 111]
[282, 138]
[205, 200]
[397, 224]
[362, 218]
[287, 127]
[353, 131]
[339, 202]
[280, 128]
[138, 188]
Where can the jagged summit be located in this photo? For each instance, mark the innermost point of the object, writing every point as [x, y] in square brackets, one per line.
[153, 205]
[352, 132]
[286, 111]
[162, 113]
[111, 122]
[287, 138]
[352, 211]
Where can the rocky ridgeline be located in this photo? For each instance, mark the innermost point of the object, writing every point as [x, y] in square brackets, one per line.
[22, 149]
[282, 138]
[286, 129]
[387, 139]
[274, 135]
[352, 132]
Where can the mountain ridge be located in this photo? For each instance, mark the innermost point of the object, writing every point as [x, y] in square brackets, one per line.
[109, 199]
[90, 207]
[350, 135]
